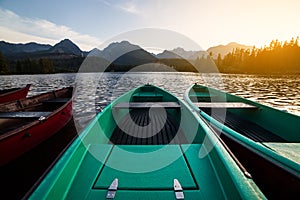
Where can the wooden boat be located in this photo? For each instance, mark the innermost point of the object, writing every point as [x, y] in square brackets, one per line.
[27, 122]
[266, 140]
[146, 145]
[13, 94]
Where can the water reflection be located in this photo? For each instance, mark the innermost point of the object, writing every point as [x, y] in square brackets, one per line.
[281, 92]
[95, 91]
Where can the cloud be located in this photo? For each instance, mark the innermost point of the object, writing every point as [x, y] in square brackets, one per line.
[124, 5]
[23, 28]
[130, 7]
[105, 2]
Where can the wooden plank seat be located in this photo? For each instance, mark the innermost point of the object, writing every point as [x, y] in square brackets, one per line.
[286, 149]
[142, 105]
[24, 114]
[224, 105]
[203, 95]
[57, 100]
[147, 96]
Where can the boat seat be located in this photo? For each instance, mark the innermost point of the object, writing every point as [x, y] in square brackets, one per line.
[57, 100]
[203, 95]
[200, 89]
[224, 105]
[141, 105]
[147, 96]
[286, 149]
[24, 114]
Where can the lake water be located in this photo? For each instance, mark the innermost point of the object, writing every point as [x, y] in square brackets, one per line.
[95, 90]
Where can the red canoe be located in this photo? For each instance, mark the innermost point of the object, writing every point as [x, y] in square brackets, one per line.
[13, 94]
[25, 123]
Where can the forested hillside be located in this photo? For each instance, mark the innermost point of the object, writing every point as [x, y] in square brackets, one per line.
[277, 57]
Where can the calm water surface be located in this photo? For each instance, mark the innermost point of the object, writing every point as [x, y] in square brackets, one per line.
[95, 91]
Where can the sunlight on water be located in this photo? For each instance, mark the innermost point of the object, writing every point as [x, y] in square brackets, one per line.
[280, 92]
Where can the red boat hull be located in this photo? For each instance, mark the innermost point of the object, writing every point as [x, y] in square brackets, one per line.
[29, 136]
[15, 94]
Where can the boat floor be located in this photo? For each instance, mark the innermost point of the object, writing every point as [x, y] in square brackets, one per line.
[144, 172]
[245, 127]
[137, 128]
[7, 125]
[10, 121]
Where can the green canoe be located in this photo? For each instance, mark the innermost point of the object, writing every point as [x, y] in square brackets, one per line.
[147, 144]
[266, 140]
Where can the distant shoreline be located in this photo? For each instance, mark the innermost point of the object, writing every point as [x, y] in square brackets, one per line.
[237, 73]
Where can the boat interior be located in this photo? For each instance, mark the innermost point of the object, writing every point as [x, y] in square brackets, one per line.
[16, 114]
[263, 125]
[147, 140]
[248, 118]
[139, 126]
[150, 117]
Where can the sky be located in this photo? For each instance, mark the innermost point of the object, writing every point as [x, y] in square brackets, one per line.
[89, 23]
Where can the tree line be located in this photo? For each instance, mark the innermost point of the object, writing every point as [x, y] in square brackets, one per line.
[277, 57]
[3, 64]
[26, 66]
[40, 66]
[46, 65]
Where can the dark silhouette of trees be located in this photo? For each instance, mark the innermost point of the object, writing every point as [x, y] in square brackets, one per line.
[276, 58]
[3, 64]
[46, 65]
[205, 64]
[178, 64]
[28, 66]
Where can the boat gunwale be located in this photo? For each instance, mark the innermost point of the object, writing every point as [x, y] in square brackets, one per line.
[13, 94]
[15, 90]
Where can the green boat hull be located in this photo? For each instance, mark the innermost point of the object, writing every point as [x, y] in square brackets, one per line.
[144, 163]
[267, 140]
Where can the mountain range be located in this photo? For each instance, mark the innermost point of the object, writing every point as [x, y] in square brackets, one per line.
[33, 49]
[66, 56]
[111, 52]
[181, 53]
[122, 53]
[8, 49]
[225, 49]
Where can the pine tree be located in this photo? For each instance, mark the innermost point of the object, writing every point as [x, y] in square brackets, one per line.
[3, 64]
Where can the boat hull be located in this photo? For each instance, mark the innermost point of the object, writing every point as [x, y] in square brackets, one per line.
[15, 94]
[276, 173]
[21, 140]
[274, 181]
